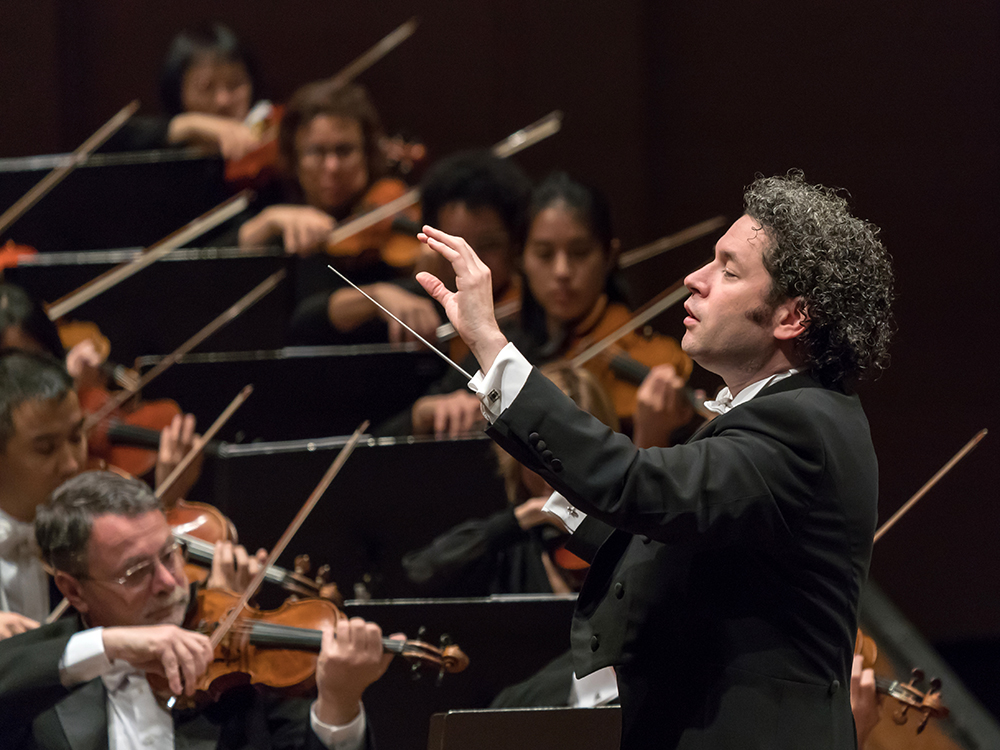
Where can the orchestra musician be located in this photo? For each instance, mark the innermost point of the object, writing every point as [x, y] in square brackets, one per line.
[82, 682]
[207, 86]
[474, 194]
[42, 444]
[510, 551]
[567, 259]
[726, 597]
[329, 140]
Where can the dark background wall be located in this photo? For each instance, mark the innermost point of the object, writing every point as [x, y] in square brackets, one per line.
[672, 108]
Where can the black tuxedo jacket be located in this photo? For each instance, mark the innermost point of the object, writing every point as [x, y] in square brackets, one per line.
[36, 711]
[726, 594]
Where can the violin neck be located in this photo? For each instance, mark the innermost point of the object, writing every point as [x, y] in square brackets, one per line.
[122, 433]
[629, 369]
[202, 552]
[271, 635]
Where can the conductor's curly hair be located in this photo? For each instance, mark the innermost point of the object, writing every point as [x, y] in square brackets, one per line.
[837, 265]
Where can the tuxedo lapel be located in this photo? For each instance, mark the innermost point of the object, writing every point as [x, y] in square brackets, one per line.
[84, 717]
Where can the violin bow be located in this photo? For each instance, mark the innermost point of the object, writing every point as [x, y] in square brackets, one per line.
[512, 144]
[379, 50]
[60, 173]
[224, 211]
[239, 307]
[962, 453]
[661, 302]
[671, 241]
[199, 446]
[226, 625]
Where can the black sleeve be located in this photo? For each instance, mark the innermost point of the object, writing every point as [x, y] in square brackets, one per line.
[140, 133]
[465, 554]
[29, 678]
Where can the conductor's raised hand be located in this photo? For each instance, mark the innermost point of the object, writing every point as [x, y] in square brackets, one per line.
[470, 307]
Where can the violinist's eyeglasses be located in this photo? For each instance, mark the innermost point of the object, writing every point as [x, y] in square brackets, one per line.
[315, 155]
[139, 575]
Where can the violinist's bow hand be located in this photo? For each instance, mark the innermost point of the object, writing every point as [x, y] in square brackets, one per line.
[180, 655]
[470, 308]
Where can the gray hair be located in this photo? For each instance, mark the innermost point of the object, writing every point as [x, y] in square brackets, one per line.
[63, 526]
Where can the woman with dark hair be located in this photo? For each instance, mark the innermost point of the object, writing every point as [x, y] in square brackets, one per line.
[207, 86]
[568, 297]
[330, 145]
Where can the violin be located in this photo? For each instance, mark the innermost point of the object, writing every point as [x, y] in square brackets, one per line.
[621, 369]
[381, 240]
[928, 703]
[278, 648]
[261, 165]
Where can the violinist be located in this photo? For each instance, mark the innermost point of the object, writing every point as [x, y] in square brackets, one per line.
[569, 294]
[510, 552]
[474, 194]
[329, 140]
[207, 87]
[116, 560]
[42, 444]
[24, 325]
[728, 590]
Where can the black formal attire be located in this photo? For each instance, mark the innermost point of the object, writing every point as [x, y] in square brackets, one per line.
[483, 556]
[726, 597]
[37, 712]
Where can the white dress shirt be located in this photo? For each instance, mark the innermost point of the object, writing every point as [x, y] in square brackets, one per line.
[136, 719]
[24, 585]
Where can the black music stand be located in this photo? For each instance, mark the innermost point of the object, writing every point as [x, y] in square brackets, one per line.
[394, 495]
[507, 639]
[520, 728]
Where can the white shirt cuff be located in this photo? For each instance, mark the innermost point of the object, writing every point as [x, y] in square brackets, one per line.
[559, 507]
[84, 658]
[498, 388]
[350, 736]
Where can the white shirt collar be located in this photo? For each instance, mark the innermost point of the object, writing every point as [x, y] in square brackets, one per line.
[725, 400]
[17, 538]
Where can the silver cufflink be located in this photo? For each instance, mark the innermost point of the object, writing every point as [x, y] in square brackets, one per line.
[493, 396]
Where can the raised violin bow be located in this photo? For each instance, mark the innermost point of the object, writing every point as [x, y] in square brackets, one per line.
[162, 492]
[671, 241]
[239, 307]
[661, 302]
[512, 144]
[962, 453]
[60, 173]
[102, 283]
[379, 50]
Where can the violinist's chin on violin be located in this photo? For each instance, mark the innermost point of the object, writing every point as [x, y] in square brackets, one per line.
[114, 556]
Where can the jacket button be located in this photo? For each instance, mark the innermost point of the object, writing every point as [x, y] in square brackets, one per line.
[533, 438]
[619, 590]
[646, 539]
[834, 687]
[556, 465]
[540, 445]
[546, 455]
[595, 643]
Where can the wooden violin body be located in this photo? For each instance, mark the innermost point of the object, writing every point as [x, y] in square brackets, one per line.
[278, 648]
[381, 241]
[620, 369]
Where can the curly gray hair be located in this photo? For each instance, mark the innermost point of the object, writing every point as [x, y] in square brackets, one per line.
[836, 263]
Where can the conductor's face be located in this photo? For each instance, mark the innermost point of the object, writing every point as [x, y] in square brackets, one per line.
[135, 573]
[730, 326]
